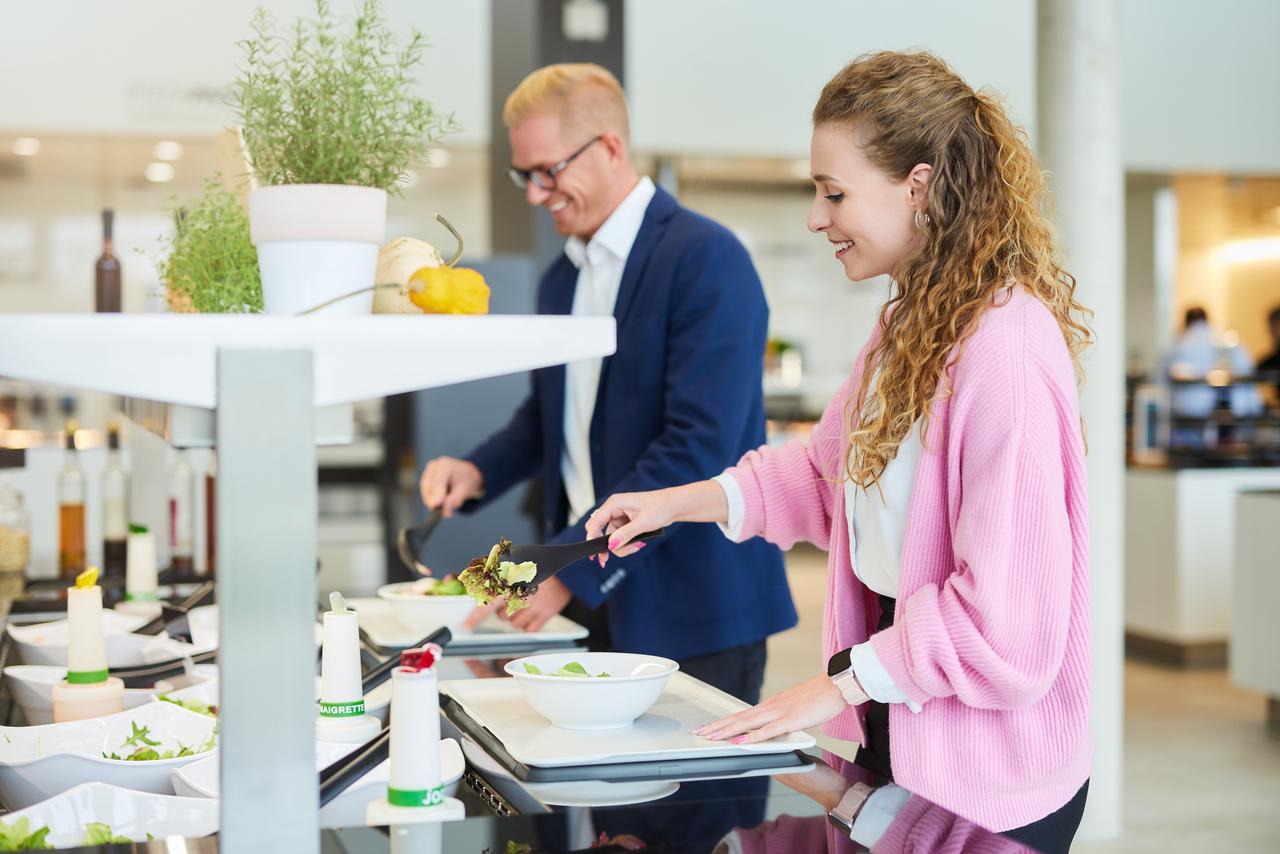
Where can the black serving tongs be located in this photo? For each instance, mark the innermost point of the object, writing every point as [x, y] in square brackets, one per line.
[410, 542]
[552, 559]
[171, 616]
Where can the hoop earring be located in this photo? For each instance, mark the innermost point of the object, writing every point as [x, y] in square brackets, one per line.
[923, 220]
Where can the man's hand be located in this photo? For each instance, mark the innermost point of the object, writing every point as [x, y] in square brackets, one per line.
[447, 483]
[550, 600]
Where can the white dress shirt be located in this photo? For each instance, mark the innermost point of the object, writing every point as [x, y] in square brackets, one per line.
[877, 523]
[600, 264]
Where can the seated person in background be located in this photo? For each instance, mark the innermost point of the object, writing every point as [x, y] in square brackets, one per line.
[1270, 366]
[1198, 352]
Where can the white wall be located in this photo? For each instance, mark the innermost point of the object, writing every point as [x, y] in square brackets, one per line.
[142, 67]
[726, 76]
[1199, 85]
[742, 76]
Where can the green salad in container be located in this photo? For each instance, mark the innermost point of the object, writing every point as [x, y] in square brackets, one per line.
[141, 747]
[21, 836]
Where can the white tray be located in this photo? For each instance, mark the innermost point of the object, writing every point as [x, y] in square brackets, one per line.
[382, 629]
[664, 733]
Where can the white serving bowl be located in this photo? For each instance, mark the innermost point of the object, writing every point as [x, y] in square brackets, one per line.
[37, 762]
[32, 688]
[422, 614]
[200, 780]
[377, 703]
[633, 685]
[203, 623]
[129, 813]
[46, 643]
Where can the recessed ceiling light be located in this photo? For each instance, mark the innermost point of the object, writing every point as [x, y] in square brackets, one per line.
[159, 173]
[438, 158]
[26, 146]
[167, 149]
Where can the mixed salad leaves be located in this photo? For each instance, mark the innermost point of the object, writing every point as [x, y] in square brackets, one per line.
[569, 668]
[197, 706]
[144, 747]
[447, 586]
[20, 836]
[491, 577]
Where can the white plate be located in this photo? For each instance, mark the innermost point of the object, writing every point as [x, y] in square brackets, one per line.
[200, 780]
[377, 703]
[665, 732]
[384, 630]
[599, 793]
[129, 813]
[32, 688]
[37, 762]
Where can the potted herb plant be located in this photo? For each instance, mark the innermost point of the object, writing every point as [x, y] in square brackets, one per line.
[211, 265]
[330, 126]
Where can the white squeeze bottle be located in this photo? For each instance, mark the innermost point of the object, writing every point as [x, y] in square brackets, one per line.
[415, 792]
[341, 716]
[88, 691]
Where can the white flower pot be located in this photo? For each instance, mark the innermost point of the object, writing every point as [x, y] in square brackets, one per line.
[316, 242]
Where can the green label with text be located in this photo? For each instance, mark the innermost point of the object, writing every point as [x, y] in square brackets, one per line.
[342, 710]
[415, 797]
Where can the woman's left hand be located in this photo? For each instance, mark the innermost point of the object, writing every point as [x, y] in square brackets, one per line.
[808, 704]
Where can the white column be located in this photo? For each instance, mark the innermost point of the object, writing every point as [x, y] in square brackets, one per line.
[1078, 104]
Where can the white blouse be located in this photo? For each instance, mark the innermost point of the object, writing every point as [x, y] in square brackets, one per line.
[877, 523]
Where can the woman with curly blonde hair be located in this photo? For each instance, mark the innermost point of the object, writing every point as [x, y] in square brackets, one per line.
[946, 479]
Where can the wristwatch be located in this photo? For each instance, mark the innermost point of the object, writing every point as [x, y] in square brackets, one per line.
[840, 669]
[846, 812]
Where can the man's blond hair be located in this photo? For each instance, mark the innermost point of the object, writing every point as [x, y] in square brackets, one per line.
[584, 96]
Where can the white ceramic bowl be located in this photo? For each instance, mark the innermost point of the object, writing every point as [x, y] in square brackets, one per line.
[200, 780]
[129, 813]
[37, 762]
[203, 623]
[421, 614]
[32, 688]
[633, 685]
[46, 643]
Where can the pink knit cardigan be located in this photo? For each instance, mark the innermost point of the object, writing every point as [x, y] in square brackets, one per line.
[992, 633]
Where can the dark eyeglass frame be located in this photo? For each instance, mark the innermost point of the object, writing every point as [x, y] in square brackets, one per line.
[545, 179]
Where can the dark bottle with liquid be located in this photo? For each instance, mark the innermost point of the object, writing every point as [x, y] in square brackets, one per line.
[106, 273]
[71, 544]
[115, 510]
[181, 516]
[211, 515]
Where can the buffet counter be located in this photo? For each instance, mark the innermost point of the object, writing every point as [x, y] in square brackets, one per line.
[1180, 559]
[698, 812]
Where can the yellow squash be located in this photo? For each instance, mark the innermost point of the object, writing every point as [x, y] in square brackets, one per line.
[449, 290]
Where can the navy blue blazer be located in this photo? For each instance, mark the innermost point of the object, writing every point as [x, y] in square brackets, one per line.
[679, 401]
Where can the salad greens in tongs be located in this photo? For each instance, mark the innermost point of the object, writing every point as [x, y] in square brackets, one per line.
[489, 578]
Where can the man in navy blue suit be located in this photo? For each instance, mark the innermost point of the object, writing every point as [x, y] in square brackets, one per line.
[679, 401]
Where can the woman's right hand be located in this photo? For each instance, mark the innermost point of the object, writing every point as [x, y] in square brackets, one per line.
[627, 514]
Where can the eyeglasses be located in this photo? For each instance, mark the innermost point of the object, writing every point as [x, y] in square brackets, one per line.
[546, 178]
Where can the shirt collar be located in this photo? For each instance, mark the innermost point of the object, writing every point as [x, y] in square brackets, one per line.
[618, 233]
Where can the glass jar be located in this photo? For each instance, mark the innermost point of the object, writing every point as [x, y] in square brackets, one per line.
[15, 540]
